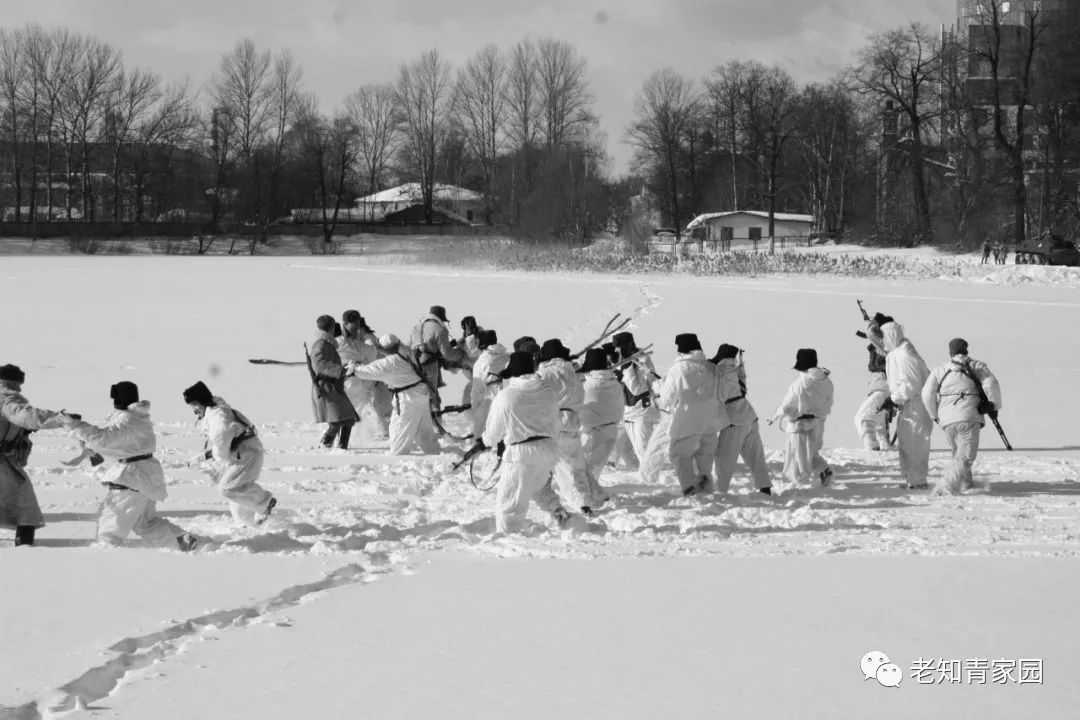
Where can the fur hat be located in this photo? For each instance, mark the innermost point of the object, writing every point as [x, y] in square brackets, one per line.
[595, 359]
[552, 349]
[12, 373]
[123, 394]
[439, 311]
[486, 338]
[468, 324]
[880, 319]
[625, 342]
[354, 316]
[199, 393]
[687, 342]
[958, 346]
[724, 352]
[389, 342]
[526, 343]
[521, 363]
[805, 359]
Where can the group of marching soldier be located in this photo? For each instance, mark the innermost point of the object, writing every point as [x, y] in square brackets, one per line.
[555, 423]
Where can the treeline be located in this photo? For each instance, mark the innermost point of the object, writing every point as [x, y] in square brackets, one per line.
[904, 143]
[927, 137]
[85, 137]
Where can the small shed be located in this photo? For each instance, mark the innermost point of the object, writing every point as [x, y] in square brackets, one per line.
[747, 228]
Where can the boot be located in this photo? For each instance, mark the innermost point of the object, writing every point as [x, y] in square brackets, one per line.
[24, 535]
[187, 542]
[343, 438]
[328, 436]
[265, 515]
[765, 490]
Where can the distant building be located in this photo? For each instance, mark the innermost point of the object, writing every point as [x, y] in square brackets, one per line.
[452, 200]
[746, 228]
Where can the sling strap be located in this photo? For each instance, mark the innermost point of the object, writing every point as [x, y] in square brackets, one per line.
[136, 458]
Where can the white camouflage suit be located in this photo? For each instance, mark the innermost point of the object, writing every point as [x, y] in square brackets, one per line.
[743, 436]
[601, 418]
[364, 394]
[485, 384]
[571, 471]
[239, 469]
[129, 434]
[869, 421]
[641, 418]
[907, 374]
[691, 393]
[410, 421]
[524, 409]
[952, 400]
[802, 414]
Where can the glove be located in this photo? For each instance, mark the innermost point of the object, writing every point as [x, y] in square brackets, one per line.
[500, 448]
[477, 446]
[986, 407]
[992, 414]
[888, 406]
[68, 420]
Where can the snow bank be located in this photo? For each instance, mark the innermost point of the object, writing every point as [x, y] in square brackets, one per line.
[659, 606]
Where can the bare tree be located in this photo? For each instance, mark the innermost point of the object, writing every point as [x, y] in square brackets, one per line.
[97, 68]
[726, 87]
[243, 89]
[424, 94]
[131, 98]
[522, 94]
[329, 147]
[902, 66]
[13, 110]
[830, 141]
[481, 110]
[1009, 43]
[773, 118]
[564, 97]
[285, 93]
[664, 112]
[372, 112]
[51, 60]
[167, 127]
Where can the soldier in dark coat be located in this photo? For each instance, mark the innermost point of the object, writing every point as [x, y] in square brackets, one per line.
[328, 398]
[19, 509]
[433, 347]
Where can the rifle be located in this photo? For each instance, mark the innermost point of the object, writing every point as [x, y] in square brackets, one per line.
[265, 361]
[966, 369]
[453, 409]
[642, 352]
[610, 329]
[435, 412]
[472, 452]
[311, 372]
[865, 315]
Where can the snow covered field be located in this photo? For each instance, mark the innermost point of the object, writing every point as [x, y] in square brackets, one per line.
[745, 607]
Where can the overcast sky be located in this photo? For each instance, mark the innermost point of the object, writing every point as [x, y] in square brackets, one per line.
[342, 44]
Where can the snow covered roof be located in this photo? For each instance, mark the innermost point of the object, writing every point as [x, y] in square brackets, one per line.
[410, 192]
[786, 217]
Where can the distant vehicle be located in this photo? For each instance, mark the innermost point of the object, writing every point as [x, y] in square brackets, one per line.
[1048, 250]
